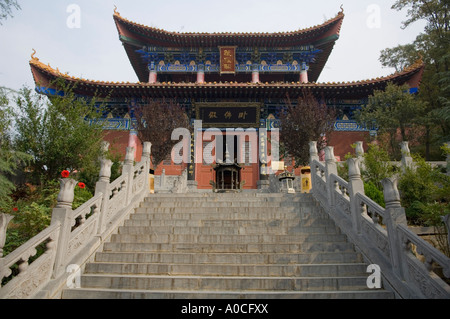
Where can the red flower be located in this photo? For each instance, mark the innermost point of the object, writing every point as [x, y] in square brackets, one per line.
[65, 174]
[81, 185]
[15, 209]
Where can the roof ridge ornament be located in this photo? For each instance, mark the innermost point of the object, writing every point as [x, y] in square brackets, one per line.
[342, 8]
[115, 11]
[32, 55]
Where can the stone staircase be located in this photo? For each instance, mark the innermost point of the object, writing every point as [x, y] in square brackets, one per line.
[248, 245]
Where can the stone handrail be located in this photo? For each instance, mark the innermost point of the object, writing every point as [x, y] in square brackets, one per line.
[380, 234]
[73, 235]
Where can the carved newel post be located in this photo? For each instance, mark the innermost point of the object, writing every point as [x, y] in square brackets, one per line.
[4, 221]
[105, 170]
[407, 160]
[330, 168]
[66, 193]
[359, 150]
[313, 156]
[394, 216]
[105, 164]
[313, 153]
[147, 150]
[146, 155]
[355, 186]
[102, 186]
[446, 220]
[128, 167]
[62, 214]
[129, 156]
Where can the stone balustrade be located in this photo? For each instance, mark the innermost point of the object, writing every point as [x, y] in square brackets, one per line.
[73, 235]
[380, 234]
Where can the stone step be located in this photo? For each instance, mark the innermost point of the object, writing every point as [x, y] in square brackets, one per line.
[100, 293]
[269, 270]
[224, 283]
[311, 247]
[230, 223]
[228, 258]
[247, 245]
[224, 214]
[306, 200]
[224, 204]
[210, 194]
[230, 239]
[241, 230]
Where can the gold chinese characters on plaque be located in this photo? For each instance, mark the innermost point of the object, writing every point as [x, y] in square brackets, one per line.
[227, 60]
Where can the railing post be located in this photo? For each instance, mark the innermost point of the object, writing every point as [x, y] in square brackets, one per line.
[4, 221]
[407, 161]
[128, 167]
[355, 186]
[330, 168]
[359, 150]
[394, 216]
[313, 153]
[146, 154]
[313, 156]
[446, 220]
[102, 186]
[62, 214]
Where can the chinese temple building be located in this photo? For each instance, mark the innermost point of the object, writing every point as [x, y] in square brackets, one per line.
[227, 80]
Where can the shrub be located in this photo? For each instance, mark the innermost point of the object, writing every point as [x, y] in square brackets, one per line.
[374, 193]
[425, 193]
[377, 166]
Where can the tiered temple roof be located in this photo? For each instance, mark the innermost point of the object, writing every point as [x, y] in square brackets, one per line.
[44, 75]
[134, 36]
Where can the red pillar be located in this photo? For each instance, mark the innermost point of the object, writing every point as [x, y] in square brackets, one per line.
[255, 74]
[304, 74]
[153, 77]
[201, 74]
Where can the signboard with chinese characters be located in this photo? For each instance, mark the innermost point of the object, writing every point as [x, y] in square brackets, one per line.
[229, 114]
[227, 60]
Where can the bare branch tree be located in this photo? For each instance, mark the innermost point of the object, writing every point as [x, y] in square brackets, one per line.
[307, 120]
[156, 120]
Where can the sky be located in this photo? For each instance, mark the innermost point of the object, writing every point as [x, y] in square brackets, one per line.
[80, 37]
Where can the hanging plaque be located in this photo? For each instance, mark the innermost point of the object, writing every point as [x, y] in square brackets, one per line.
[227, 60]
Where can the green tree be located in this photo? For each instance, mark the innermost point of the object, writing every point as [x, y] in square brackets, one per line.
[399, 57]
[433, 46]
[425, 193]
[10, 159]
[57, 133]
[6, 7]
[377, 166]
[395, 111]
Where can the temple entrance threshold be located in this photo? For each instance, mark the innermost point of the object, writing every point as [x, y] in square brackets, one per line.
[228, 178]
[229, 172]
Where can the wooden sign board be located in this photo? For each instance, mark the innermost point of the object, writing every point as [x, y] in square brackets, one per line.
[227, 60]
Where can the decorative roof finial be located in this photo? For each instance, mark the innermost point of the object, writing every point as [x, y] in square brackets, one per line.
[420, 60]
[115, 10]
[342, 8]
[32, 54]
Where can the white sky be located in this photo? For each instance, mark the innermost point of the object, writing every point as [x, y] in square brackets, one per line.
[94, 51]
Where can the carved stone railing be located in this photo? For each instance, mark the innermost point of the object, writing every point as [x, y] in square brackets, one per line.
[73, 235]
[380, 234]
